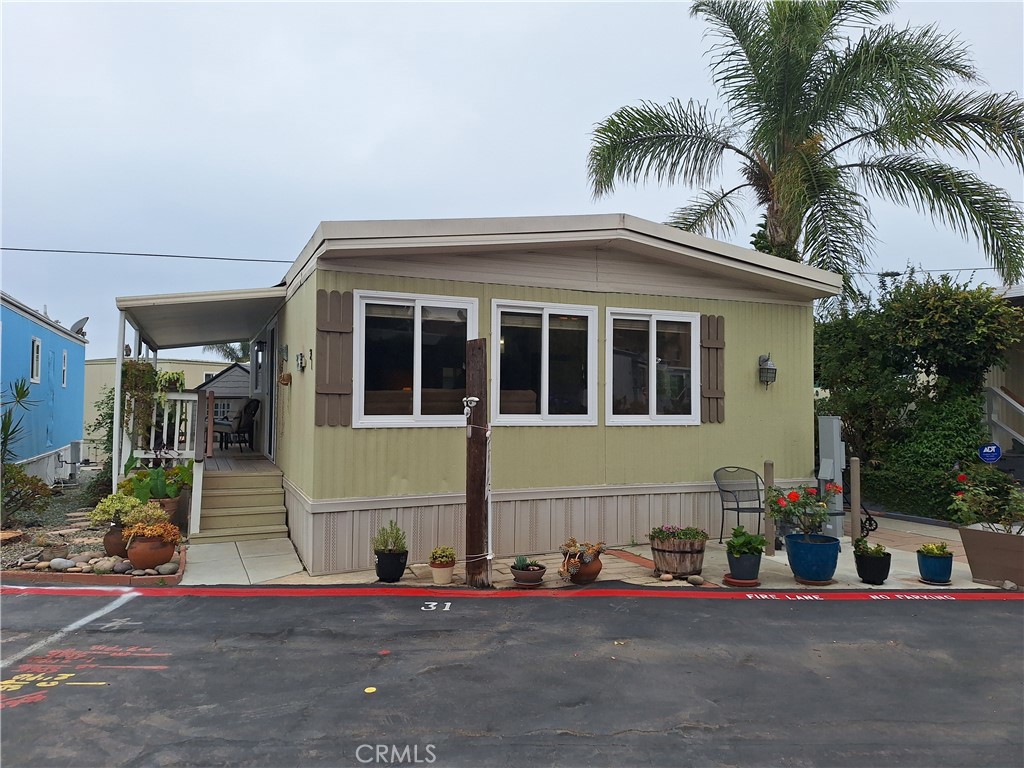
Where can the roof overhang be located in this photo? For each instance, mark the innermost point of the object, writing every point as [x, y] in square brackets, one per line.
[175, 320]
[338, 240]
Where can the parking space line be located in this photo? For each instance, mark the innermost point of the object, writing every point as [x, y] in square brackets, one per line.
[61, 634]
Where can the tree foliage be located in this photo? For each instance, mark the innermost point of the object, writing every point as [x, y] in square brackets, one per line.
[905, 374]
[824, 107]
[233, 353]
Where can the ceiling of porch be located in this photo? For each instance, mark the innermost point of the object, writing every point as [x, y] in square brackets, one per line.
[175, 320]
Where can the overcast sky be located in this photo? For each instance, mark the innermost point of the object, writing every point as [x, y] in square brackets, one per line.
[234, 129]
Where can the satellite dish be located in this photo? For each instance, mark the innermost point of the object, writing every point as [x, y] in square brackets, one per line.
[79, 326]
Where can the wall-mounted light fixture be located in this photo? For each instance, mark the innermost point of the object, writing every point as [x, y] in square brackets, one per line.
[766, 370]
[300, 361]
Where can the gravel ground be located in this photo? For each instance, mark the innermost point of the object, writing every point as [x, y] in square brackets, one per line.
[56, 518]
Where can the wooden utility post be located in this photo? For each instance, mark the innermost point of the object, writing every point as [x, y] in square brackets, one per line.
[478, 567]
[769, 524]
[854, 499]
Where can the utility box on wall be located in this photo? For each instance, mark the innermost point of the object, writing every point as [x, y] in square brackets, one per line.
[831, 463]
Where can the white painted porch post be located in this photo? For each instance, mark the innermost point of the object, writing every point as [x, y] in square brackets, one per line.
[117, 431]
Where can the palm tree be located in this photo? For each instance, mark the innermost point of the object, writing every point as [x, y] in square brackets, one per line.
[818, 121]
[233, 353]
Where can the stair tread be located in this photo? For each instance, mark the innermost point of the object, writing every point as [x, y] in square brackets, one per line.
[240, 531]
[221, 511]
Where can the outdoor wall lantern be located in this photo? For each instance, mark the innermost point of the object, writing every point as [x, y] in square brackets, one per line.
[766, 370]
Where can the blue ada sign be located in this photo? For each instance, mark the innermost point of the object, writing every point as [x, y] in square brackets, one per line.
[990, 453]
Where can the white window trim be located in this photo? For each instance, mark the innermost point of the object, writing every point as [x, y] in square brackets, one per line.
[360, 299]
[543, 419]
[693, 318]
[64, 369]
[36, 363]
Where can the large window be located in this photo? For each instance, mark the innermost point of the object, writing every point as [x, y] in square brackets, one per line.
[545, 358]
[653, 367]
[37, 360]
[411, 359]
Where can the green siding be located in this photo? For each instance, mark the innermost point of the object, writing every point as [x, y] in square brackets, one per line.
[760, 424]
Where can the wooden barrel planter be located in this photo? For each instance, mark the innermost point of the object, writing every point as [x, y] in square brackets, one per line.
[680, 557]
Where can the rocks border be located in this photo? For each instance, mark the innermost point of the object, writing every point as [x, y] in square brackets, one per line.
[11, 576]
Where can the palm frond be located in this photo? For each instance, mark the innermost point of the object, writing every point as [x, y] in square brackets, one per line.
[712, 213]
[740, 60]
[838, 233]
[960, 199]
[967, 123]
[886, 66]
[670, 143]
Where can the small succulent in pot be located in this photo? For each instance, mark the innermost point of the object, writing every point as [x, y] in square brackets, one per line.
[442, 557]
[575, 555]
[935, 549]
[864, 549]
[522, 563]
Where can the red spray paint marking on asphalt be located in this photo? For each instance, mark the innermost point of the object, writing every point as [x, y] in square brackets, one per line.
[499, 594]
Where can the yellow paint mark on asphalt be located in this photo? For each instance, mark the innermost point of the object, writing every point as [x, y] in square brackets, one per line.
[371, 689]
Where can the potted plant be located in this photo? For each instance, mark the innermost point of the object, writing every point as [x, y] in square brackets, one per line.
[812, 557]
[872, 561]
[110, 512]
[164, 485]
[151, 544]
[581, 563]
[743, 551]
[989, 508]
[935, 563]
[679, 551]
[391, 554]
[442, 563]
[526, 572]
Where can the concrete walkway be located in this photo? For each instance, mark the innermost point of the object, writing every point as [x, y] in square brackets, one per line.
[274, 561]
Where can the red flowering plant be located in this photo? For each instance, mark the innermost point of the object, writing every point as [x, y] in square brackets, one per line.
[987, 496]
[803, 509]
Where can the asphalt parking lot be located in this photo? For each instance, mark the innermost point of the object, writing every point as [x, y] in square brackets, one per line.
[616, 678]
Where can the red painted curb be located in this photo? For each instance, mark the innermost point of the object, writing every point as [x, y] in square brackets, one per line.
[498, 594]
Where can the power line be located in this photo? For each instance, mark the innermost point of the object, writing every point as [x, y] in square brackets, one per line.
[151, 255]
[291, 261]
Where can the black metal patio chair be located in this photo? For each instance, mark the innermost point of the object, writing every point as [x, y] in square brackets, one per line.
[741, 491]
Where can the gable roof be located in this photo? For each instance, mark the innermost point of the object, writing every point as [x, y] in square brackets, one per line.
[222, 374]
[340, 240]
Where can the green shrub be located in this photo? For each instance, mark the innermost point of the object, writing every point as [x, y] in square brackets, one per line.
[24, 495]
[915, 477]
[390, 538]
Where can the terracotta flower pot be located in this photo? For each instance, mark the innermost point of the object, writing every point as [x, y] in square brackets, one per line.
[149, 552]
[113, 541]
[588, 572]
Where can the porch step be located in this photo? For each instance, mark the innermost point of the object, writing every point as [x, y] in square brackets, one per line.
[248, 533]
[242, 497]
[242, 517]
[219, 481]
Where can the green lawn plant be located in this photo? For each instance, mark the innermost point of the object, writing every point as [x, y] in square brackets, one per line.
[862, 547]
[745, 543]
[935, 549]
[390, 538]
[443, 555]
[112, 509]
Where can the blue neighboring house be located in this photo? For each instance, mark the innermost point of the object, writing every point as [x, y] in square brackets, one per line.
[52, 359]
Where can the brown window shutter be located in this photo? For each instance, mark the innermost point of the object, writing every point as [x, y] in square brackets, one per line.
[712, 369]
[333, 364]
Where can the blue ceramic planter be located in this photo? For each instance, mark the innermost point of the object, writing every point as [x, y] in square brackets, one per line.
[812, 558]
[935, 568]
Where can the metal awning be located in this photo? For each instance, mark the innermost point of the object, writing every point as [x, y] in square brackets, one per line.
[174, 320]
